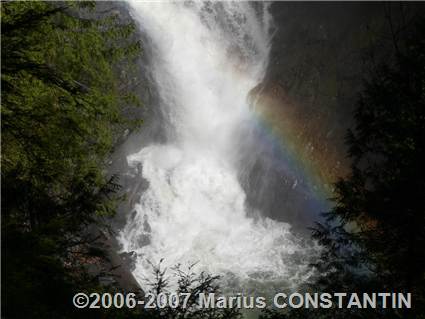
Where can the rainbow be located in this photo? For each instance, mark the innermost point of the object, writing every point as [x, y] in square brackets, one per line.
[305, 151]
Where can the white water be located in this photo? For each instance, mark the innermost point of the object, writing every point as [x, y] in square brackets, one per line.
[207, 59]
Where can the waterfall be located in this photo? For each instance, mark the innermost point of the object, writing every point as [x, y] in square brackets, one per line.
[207, 57]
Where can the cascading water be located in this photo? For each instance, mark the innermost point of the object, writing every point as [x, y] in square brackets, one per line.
[208, 56]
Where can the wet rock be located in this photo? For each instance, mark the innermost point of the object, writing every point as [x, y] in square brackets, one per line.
[129, 260]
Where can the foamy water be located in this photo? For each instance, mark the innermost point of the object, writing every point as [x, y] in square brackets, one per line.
[207, 59]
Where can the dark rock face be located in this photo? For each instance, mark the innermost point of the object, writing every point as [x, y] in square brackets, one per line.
[320, 54]
[317, 55]
[112, 269]
[129, 260]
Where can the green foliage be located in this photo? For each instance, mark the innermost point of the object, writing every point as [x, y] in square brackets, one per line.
[187, 282]
[60, 94]
[61, 111]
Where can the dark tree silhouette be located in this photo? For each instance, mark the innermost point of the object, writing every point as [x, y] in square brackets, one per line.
[374, 237]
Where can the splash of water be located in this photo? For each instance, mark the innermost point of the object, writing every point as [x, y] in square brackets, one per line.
[208, 57]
